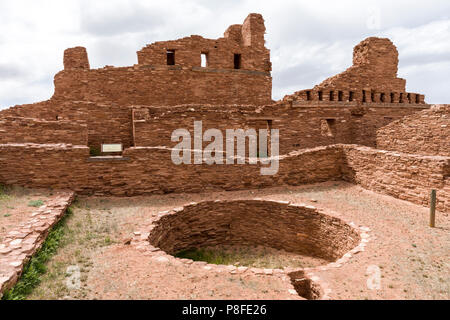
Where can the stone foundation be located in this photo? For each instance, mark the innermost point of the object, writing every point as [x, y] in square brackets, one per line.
[22, 243]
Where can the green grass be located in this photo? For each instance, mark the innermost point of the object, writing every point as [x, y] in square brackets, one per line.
[3, 194]
[208, 255]
[95, 152]
[255, 256]
[36, 267]
[35, 203]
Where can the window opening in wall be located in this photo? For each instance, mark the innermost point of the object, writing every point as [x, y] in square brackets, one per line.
[417, 98]
[320, 96]
[372, 96]
[364, 99]
[204, 59]
[392, 97]
[237, 61]
[340, 96]
[308, 95]
[351, 96]
[401, 98]
[328, 127]
[408, 96]
[170, 57]
[382, 97]
[331, 95]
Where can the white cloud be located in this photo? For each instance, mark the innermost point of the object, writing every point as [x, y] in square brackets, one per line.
[309, 40]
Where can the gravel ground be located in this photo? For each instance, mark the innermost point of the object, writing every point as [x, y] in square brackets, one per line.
[413, 258]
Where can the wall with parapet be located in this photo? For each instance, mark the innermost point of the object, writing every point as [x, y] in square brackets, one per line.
[427, 132]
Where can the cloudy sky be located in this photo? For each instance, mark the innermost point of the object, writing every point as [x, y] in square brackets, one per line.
[309, 40]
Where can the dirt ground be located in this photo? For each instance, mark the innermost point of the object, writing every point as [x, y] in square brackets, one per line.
[16, 208]
[413, 258]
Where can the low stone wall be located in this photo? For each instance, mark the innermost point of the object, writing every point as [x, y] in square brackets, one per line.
[400, 175]
[28, 130]
[295, 229]
[23, 242]
[427, 132]
[146, 170]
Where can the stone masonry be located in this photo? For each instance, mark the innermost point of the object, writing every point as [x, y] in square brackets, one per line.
[337, 130]
[20, 244]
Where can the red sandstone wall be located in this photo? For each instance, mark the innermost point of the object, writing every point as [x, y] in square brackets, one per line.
[154, 82]
[371, 79]
[300, 125]
[150, 170]
[164, 85]
[403, 176]
[427, 132]
[27, 130]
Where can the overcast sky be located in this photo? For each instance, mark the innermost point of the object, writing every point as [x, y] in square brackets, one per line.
[309, 40]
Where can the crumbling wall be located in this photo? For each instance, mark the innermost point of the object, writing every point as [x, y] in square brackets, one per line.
[371, 79]
[76, 58]
[247, 40]
[157, 81]
[427, 132]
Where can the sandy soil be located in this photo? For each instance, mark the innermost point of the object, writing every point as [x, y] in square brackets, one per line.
[413, 258]
[14, 208]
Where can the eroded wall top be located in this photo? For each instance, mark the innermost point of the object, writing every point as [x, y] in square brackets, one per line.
[242, 47]
[371, 79]
[236, 70]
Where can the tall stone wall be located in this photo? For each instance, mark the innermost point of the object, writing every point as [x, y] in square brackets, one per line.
[164, 85]
[427, 132]
[237, 71]
[27, 130]
[246, 40]
[300, 126]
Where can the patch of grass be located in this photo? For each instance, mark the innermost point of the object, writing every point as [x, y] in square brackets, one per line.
[3, 194]
[258, 257]
[95, 152]
[36, 203]
[37, 265]
[208, 255]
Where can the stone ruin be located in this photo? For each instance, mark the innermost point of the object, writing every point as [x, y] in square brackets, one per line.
[360, 126]
[108, 131]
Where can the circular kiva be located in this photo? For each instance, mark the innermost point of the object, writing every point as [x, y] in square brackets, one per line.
[295, 229]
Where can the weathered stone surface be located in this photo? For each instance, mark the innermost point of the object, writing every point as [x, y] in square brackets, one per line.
[15, 253]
